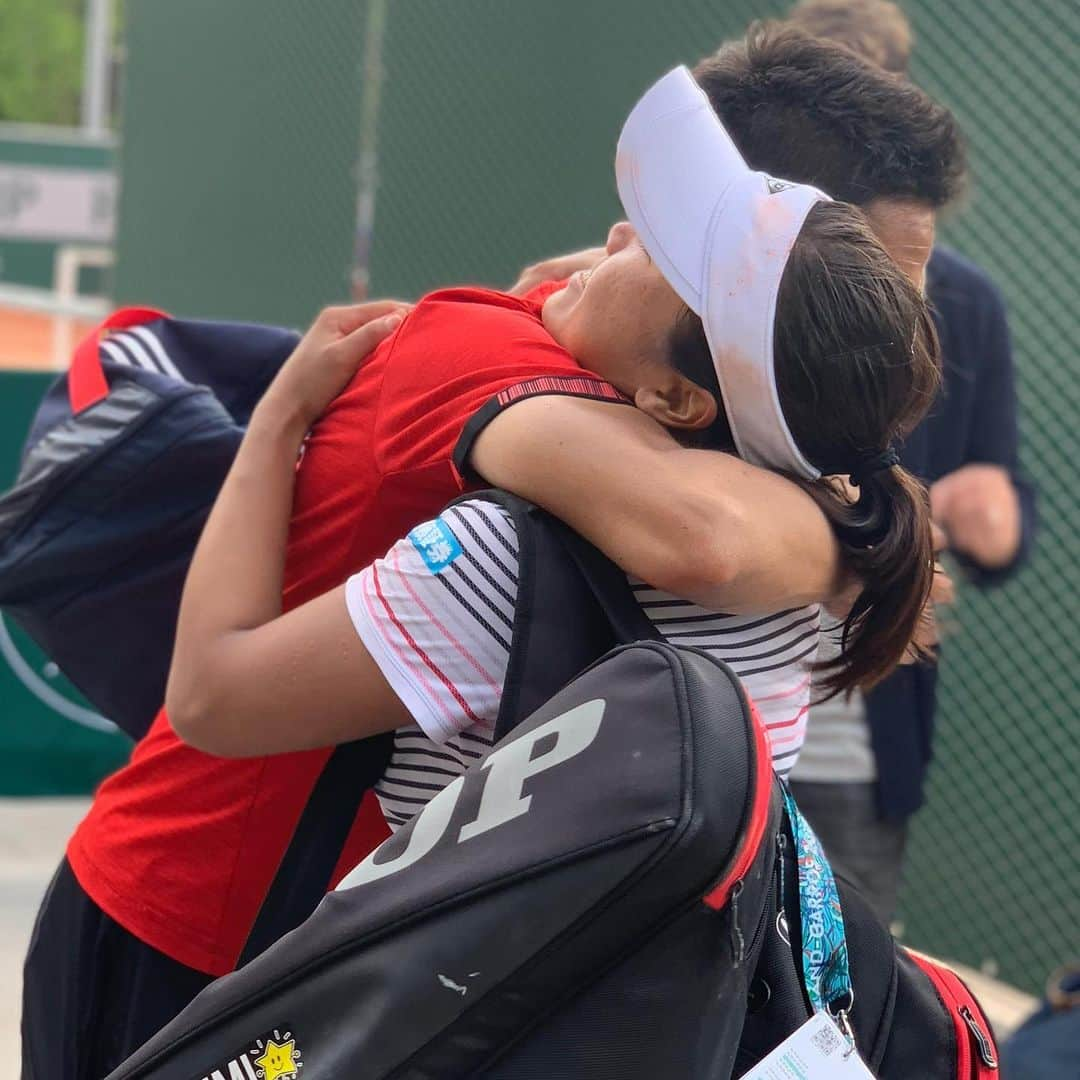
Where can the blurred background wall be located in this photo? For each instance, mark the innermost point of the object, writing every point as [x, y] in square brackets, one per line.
[496, 136]
[241, 125]
[273, 154]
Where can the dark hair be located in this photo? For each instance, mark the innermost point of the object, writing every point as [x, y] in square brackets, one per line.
[857, 366]
[876, 30]
[689, 354]
[809, 110]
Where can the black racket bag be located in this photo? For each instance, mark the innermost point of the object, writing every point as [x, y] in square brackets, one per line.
[587, 902]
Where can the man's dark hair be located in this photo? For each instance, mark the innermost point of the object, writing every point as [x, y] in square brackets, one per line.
[806, 109]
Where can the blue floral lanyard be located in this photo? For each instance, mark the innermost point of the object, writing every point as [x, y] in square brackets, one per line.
[826, 974]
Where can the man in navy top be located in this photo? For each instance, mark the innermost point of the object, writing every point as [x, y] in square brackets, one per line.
[863, 767]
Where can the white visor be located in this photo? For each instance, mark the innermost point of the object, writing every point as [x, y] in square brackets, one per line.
[721, 235]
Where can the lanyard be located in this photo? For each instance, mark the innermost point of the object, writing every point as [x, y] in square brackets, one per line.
[824, 944]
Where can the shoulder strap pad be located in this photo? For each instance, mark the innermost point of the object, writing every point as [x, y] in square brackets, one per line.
[573, 605]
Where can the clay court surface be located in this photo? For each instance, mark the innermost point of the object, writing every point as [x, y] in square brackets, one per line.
[36, 340]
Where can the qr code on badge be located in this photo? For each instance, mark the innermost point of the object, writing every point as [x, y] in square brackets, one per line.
[826, 1040]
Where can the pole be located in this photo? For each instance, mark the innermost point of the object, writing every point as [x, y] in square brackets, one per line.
[372, 74]
[97, 57]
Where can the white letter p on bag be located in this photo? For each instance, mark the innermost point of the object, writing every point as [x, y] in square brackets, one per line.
[510, 766]
[507, 769]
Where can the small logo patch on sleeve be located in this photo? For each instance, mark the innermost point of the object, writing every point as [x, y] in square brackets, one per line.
[437, 545]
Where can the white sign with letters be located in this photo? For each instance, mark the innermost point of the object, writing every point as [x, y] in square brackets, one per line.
[42, 203]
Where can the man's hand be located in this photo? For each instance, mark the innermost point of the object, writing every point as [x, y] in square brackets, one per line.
[978, 508]
[327, 357]
[556, 269]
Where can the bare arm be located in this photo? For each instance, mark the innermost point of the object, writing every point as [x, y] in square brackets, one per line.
[246, 679]
[703, 525]
[716, 531]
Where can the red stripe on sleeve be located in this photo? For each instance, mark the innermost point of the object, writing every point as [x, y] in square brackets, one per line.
[414, 645]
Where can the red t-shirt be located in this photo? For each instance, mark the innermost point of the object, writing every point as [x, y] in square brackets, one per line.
[180, 847]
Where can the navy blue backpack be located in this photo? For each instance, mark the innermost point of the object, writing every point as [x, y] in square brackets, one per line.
[121, 466]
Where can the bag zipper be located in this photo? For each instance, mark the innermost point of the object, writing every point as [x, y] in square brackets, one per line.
[985, 1047]
[968, 1021]
[776, 888]
[778, 881]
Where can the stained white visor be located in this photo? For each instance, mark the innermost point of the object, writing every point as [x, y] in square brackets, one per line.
[721, 235]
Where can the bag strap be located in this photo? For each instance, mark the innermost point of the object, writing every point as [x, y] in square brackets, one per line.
[306, 869]
[87, 384]
[572, 606]
[610, 588]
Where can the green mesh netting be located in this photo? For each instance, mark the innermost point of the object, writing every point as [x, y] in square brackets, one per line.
[241, 125]
[995, 863]
[495, 136]
[488, 143]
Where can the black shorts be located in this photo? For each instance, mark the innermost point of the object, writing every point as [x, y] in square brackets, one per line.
[92, 992]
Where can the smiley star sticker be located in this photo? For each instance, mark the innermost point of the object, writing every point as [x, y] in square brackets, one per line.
[279, 1060]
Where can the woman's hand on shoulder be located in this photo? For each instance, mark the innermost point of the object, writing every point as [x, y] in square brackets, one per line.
[327, 357]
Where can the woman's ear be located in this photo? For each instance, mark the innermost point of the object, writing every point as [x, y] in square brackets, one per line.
[676, 402]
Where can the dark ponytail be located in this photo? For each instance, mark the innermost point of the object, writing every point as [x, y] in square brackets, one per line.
[886, 544]
[857, 366]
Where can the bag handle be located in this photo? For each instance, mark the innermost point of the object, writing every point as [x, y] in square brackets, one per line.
[87, 384]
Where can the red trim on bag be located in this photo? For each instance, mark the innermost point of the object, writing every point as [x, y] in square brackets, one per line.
[87, 384]
[956, 997]
[719, 894]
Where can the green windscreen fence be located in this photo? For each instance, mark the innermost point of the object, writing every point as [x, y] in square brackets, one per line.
[995, 861]
[496, 134]
[250, 171]
[241, 125]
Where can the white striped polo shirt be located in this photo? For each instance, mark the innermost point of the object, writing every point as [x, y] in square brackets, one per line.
[437, 612]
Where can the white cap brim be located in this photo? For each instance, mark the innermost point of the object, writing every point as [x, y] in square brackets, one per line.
[721, 235]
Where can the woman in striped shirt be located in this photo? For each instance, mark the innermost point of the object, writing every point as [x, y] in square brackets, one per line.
[436, 616]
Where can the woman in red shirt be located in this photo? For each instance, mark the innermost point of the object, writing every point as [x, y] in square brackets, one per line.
[179, 848]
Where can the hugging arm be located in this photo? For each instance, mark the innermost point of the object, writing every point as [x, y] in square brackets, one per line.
[242, 672]
[700, 524]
